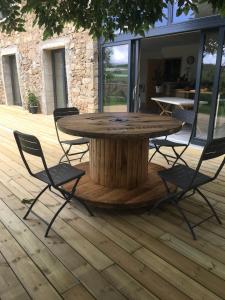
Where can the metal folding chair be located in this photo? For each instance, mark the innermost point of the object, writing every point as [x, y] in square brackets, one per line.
[55, 177]
[187, 180]
[186, 117]
[66, 145]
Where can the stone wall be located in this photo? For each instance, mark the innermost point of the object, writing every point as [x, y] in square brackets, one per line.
[81, 65]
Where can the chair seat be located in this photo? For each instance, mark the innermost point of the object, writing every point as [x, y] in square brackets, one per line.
[61, 174]
[166, 143]
[181, 176]
[79, 141]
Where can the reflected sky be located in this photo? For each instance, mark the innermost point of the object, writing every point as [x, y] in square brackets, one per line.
[204, 9]
[119, 55]
[210, 59]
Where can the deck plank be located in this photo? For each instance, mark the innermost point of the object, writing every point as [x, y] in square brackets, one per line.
[110, 256]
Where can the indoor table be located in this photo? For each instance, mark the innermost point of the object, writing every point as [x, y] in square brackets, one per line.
[164, 103]
[118, 173]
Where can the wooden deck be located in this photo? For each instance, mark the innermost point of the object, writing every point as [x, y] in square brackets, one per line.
[109, 256]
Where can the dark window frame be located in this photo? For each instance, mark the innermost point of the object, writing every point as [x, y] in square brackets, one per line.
[214, 99]
[202, 24]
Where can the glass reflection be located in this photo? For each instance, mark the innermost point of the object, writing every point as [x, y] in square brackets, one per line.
[204, 10]
[219, 129]
[164, 20]
[115, 83]
[206, 83]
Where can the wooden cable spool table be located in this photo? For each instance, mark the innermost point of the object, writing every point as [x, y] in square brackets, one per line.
[118, 173]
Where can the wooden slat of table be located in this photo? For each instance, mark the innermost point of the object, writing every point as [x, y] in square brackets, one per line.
[143, 195]
[119, 125]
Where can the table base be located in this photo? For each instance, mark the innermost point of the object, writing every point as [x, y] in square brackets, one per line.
[146, 194]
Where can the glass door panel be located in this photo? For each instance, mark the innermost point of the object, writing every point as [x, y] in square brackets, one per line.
[116, 78]
[219, 127]
[208, 71]
[15, 81]
[59, 78]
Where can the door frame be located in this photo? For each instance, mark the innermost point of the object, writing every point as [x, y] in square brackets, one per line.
[216, 81]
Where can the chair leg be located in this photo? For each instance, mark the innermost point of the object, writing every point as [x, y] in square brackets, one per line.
[152, 156]
[84, 152]
[35, 200]
[66, 152]
[179, 156]
[184, 217]
[56, 214]
[164, 156]
[157, 150]
[67, 196]
[85, 205]
[210, 206]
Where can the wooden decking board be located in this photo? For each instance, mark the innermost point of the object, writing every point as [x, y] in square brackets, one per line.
[126, 284]
[49, 264]
[210, 228]
[182, 263]
[28, 273]
[110, 256]
[84, 272]
[191, 288]
[78, 292]
[10, 286]
[209, 231]
[183, 234]
[127, 262]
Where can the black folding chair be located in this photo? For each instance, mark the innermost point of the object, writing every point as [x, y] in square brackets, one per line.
[66, 145]
[55, 177]
[187, 117]
[187, 180]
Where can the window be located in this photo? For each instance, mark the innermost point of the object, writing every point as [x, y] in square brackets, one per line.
[204, 10]
[164, 19]
[219, 129]
[206, 83]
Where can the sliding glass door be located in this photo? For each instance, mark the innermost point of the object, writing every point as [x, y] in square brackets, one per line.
[115, 84]
[219, 119]
[206, 82]
[119, 77]
[210, 86]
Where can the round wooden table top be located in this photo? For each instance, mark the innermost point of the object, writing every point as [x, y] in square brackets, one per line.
[119, 125]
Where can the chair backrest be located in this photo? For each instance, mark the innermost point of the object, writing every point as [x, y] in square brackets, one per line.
[30, 144]
[63, 112]
[213, 149]
[183, 115]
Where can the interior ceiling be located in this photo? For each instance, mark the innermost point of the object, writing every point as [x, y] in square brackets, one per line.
[171, 40]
